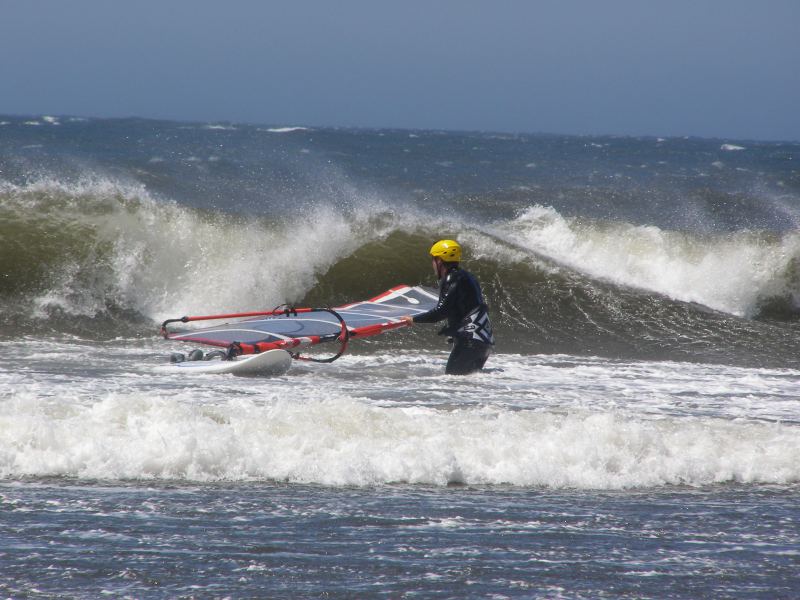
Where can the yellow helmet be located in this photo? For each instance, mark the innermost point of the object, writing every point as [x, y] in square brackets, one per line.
[447, 250]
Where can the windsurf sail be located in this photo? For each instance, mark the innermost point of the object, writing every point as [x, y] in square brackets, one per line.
[293, 328]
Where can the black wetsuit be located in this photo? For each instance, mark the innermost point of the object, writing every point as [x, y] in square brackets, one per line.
[461, 303]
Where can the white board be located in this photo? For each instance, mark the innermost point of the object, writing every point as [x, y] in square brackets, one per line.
[270, 363]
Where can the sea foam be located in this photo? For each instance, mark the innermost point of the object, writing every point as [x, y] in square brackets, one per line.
[343, 441]
[284, 129]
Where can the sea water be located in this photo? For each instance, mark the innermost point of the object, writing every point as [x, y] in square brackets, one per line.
[636, 432]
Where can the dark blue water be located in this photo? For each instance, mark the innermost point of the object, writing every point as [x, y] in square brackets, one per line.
[290, 541]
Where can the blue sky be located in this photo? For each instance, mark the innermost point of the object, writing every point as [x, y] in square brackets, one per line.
[713, 68]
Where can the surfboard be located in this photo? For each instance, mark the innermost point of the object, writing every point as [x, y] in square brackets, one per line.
[266, 364]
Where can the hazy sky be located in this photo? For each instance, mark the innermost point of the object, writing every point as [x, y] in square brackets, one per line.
[715, 68]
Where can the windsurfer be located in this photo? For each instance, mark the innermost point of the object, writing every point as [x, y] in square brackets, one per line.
[461, 303]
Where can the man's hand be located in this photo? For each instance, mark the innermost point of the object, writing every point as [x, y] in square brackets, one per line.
[407, 320]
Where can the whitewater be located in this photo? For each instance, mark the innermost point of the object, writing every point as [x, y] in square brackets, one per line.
[636, 432]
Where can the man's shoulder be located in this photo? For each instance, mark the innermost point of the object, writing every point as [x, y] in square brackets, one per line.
[459, 274]
[454, 275]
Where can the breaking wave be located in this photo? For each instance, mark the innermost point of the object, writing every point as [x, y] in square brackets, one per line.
[735, 273]
[104, 257]
[343, 441]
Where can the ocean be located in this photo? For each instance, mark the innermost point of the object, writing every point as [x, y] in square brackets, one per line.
[636, 433]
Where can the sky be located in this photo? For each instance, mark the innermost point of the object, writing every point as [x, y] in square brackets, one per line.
[710, 68]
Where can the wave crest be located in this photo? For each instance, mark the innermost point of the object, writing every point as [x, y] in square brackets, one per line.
[86, 247]
[733, 273]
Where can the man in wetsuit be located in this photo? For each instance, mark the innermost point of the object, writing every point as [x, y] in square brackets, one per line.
[461, 303]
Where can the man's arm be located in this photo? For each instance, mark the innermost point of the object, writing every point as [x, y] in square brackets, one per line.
[443, 307]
